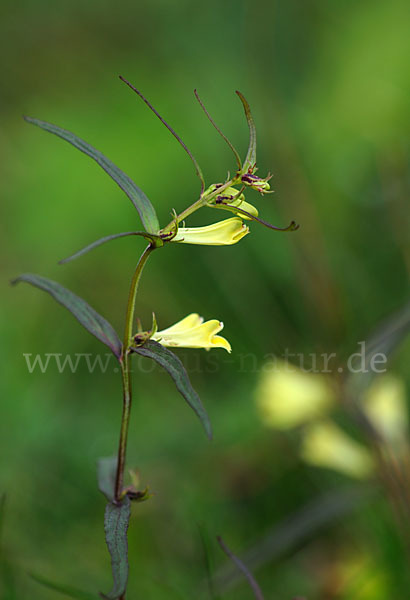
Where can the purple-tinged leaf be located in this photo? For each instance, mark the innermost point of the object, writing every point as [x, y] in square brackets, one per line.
[250, 160]
[87, 316]
[135, 194]
[106, 473]
[171, 363]
[155, 240]
[243, 568]
[116, 520]
[66, 590]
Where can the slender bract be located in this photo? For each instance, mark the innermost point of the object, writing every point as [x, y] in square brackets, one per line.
[231, 146]
[176, 136]
[250, 160]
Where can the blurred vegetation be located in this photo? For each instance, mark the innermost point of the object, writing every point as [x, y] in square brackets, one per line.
[328, 84]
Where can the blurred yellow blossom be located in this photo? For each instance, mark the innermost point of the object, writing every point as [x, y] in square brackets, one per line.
[326, 445]
[287, 396]
[362, 578]
[385, 406]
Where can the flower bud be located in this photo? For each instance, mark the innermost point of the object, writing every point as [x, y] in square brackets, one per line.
[256, 183]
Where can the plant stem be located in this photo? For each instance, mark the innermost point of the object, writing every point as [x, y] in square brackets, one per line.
[125, 372]
[129, 319]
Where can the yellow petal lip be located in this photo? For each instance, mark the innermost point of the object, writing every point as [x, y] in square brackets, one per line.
[193, 332]
[222, 233]
[192, 320]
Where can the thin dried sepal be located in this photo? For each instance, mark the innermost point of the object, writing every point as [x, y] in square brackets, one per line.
[176, 136]
[231, 146]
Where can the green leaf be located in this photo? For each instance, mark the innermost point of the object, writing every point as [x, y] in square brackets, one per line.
[135, 194]
[67, 590]
[171, 363]
[106, 473]
[87, 316]
[250, 160]
[116, 520]
[156, 240]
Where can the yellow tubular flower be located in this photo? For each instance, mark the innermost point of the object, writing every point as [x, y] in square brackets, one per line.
[222, 233]
[193, 332]
[386, 407]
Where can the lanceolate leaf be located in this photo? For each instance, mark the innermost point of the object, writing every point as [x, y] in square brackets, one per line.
[250, 159]
[171, 363]
[116, 520]
[66, 590]
[154, 239]
[87, 316]
[106, 472]
[135, 194]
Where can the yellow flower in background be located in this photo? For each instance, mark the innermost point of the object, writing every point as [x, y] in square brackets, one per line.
[193, 332]
[222, 233]
[385, 406]
[287, 396]
[326, 445]
[362, 577]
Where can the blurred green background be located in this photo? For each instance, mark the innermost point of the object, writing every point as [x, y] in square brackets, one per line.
[328, 84]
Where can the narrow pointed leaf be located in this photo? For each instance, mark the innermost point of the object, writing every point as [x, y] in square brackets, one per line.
[66, 590]
[87, 316]
[154, 239]
[106, 472]
[171, 363]
[250, 159]
[135, 194]
[116, 520]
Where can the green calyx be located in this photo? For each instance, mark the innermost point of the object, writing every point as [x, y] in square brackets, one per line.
[141, 337]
